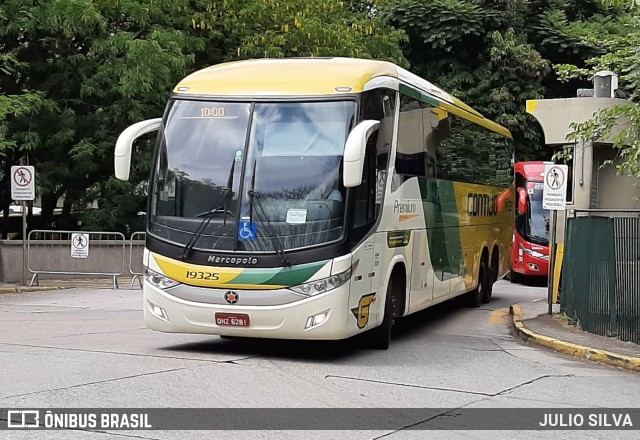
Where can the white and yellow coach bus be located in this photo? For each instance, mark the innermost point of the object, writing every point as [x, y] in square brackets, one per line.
[317, 199]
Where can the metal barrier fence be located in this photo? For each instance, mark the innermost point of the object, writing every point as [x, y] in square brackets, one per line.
[76, 253]
[136, 267]
[601, 272]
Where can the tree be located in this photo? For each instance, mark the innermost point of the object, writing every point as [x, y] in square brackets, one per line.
[21, 104]
[496, 54]
[620, 123]
[291, 28]
[86, 69]
[99, 65]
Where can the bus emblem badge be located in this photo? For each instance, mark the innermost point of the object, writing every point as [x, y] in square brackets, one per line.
[231, 297]
[362, 311]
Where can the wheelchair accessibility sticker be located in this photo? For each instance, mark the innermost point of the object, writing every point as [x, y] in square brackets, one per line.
[246, 230]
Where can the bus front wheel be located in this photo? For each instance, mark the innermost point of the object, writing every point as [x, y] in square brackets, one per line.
[380, 337]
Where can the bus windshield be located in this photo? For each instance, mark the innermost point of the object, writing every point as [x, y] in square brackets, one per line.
[538, 217]
[251, 176]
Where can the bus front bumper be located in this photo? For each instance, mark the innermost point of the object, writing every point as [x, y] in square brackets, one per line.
[166, 313]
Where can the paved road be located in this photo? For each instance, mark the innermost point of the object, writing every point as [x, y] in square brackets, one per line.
[89, 348]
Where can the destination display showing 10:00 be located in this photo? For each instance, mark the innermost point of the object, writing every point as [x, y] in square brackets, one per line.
[212, 112]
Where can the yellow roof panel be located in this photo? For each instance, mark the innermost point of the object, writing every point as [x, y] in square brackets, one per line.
[292, 76]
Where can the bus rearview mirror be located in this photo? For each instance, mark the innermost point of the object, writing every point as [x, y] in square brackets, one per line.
[522, 201]
[124, 145]
[354, 152]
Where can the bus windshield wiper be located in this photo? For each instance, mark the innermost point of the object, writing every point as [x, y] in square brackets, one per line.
[255, 200]
[205, 221]
[220, 202]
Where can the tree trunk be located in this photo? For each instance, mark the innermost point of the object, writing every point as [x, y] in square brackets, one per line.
[49, 202]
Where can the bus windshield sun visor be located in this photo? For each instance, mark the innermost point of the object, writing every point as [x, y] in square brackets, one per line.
[221, 202]
[254, 200]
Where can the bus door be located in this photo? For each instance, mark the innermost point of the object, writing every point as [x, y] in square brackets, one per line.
[365, 275]
[421, 292]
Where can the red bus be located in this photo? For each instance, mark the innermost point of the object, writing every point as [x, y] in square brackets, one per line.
[530, 250]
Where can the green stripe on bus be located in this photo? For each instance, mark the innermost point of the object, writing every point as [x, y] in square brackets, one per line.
[287, 276]
[419, 95]
[443, 232]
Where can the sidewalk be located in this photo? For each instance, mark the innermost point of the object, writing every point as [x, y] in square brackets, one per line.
[124, 282]
[532, 323]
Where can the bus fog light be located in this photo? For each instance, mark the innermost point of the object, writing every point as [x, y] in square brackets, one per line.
[158, 311]
[533, 266]
[315, 320]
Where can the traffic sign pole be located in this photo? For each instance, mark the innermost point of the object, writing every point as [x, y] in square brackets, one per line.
[23, 188]
[24, 243]
[552, 262]
[554, 198]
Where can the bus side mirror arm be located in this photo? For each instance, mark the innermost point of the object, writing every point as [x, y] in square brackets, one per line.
[354, 152]
[124, 145]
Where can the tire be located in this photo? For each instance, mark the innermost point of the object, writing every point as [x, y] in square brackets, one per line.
[477, 296]
[495, 267]
[380, 337]
[487, 288]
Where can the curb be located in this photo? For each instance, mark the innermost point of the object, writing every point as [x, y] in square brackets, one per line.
[580, 351]
[24, 289]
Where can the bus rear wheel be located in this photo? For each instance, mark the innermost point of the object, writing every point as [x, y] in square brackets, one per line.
[482, 293]
[380, 337]
[487, 288]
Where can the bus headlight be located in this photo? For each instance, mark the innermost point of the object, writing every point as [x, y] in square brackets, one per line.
[323, 285]
[535, 254]
[159, 281]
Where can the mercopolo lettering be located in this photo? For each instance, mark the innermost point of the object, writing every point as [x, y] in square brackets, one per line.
[231, 260]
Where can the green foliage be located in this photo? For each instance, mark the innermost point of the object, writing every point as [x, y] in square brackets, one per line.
[98, 66]
[286, 28]
[620, 124]
[496, 54]
[75, 73]
[470, 50]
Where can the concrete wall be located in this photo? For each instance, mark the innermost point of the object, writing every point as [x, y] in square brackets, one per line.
[556, 115]
[593, 186]
[613, 191]
[55, 256]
